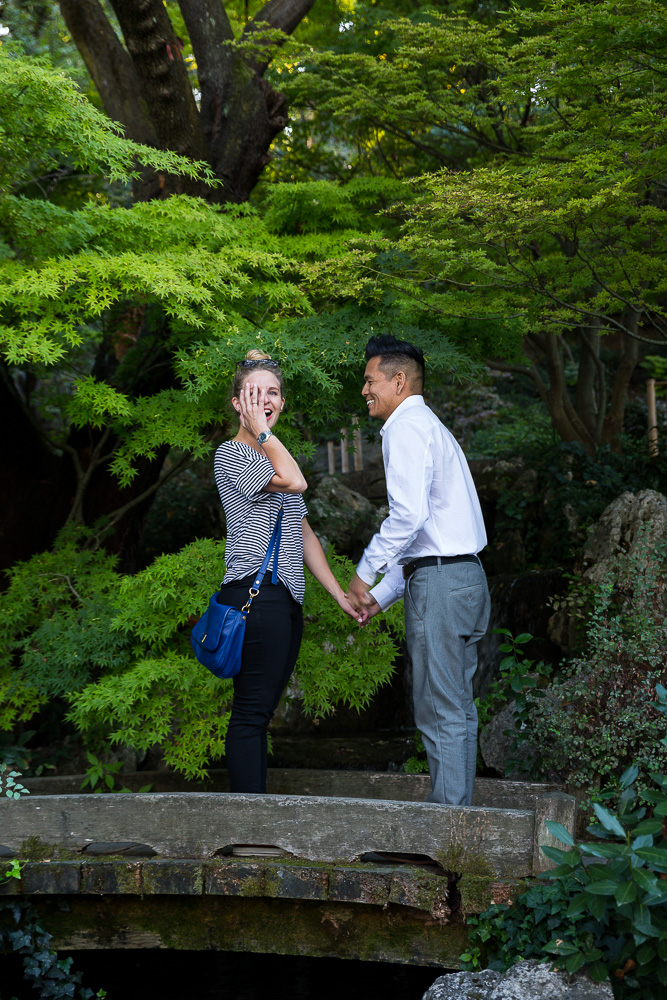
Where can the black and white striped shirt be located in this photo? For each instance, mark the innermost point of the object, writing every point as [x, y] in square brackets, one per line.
[241, 473]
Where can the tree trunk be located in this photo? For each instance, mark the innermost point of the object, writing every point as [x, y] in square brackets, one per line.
[593, 417]
[144, 85]
[629, 359]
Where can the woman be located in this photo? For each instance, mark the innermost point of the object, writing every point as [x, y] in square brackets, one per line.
[256, 476]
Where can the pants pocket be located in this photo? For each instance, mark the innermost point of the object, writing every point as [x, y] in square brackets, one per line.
[416, 593]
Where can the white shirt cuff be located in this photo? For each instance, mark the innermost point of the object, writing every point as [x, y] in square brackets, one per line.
[385, 595]
[365, 573]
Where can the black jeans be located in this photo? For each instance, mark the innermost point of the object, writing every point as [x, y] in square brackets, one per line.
[271, 646]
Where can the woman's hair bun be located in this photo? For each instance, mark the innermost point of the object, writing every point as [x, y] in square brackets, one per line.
[256, 355]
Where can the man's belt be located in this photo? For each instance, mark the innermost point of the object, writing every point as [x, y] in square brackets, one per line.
[410, 567]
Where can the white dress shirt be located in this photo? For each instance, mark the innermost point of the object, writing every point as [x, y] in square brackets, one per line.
[433, 504]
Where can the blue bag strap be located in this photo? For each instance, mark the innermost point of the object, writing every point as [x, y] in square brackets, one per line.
[274, 544]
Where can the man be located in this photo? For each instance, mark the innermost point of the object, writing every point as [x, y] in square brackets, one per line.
[427, 548]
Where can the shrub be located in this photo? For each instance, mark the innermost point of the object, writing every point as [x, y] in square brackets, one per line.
[116, 650]
[22, 933]
[600, 716]
[604, 906]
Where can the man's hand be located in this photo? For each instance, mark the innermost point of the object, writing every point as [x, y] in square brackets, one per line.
[357, 593]
[370, 610]
[358, 614]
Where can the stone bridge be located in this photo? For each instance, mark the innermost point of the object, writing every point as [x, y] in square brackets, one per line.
[343, 864]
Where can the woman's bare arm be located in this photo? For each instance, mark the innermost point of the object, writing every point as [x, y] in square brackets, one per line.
[316, 561]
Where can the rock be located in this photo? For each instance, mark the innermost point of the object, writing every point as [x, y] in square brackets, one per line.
[341, 515]
[528, 980]
[633, 523]
[463, 986]
[496, 748]
[533, 980]
[618, 530]
[493, 475]
[369, 481]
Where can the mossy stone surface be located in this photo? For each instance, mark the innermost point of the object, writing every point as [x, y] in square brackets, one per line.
[268, 926]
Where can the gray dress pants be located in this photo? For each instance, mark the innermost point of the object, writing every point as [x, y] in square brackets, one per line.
[447, 611]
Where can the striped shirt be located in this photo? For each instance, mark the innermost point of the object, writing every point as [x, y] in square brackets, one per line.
[241, 473]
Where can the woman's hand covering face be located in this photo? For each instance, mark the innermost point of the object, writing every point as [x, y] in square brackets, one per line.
[252, 401]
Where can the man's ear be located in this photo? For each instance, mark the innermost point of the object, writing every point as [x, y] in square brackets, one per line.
[401, 382]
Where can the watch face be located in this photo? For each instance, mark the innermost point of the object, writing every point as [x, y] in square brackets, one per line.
[264, 436]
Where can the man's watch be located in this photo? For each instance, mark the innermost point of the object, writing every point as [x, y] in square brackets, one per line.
[264, 436]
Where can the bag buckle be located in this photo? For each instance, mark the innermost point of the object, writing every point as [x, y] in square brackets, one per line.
[251, 593]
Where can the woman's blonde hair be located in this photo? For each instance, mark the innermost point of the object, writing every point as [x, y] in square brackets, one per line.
[256, 360]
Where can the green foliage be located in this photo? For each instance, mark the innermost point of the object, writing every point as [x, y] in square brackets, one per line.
[518, 429]
[599, 717]
[104, 774]
[14, 870]
[517, 677]
[657, 365]
[9, 786]
[604, 905]
[417, 764]
[385, 93]
[322, 207]
[48, 621]
[143, 686]
[71, 645]
[568, 488]
[503, 935]
[322, 358]
[22, 933]
[543, 134]
[43, 107]
[176, 286]
[587, 484]
[553, 230]
[339, 662]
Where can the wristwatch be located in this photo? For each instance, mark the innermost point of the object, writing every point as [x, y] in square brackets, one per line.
[264, 436]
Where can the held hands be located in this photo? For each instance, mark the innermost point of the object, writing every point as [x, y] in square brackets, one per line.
[359, 597]
[358, 615]
[251, 402]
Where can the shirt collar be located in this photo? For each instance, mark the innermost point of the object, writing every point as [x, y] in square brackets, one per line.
[407, 404]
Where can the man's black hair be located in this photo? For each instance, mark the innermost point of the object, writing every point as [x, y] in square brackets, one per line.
[395, 352]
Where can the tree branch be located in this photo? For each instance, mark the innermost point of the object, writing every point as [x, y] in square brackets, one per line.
[110, 67]
[285, 15]
[83, 476]
[530, 372]
[115, 517]
[209, 30]
[156, 55]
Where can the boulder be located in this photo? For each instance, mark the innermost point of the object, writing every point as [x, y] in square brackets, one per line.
[633, 523]
[463, 986]
[533, 980]
[369, 481]
[496, 748]
[494, 475]
[528, 980]
[341, 515]
[618, 530]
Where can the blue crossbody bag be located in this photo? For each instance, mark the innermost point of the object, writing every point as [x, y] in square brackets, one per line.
[217, 638]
